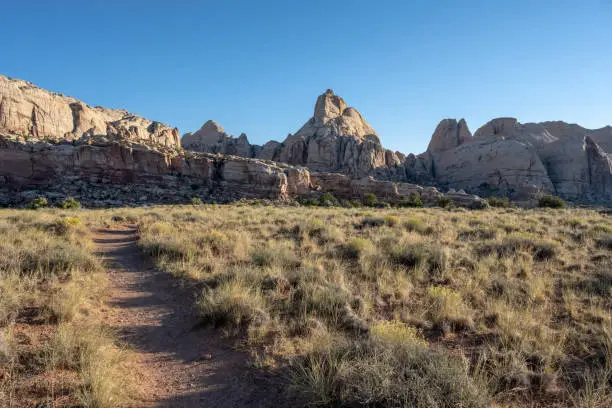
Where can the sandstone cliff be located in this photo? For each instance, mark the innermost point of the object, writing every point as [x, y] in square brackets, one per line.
[34, 113]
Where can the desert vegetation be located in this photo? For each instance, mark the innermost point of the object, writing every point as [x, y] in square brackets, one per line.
[53, 349]
[360, 306]
[404, 307]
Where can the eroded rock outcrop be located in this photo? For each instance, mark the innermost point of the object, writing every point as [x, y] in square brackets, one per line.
[336, 138]
[449, 134]
[211, 138]
[35, 113]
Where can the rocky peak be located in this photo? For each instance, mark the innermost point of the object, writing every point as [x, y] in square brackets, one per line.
[449, 134]
[328, 106]
[210, 133]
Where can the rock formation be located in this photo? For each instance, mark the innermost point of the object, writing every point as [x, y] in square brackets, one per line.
[336, 138]
[507, 158]
[448, 135]
[58, 145]
[34, 113]
[211, 138]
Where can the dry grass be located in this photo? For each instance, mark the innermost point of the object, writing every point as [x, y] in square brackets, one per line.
[510, 306]
[52, 348]
[394, 307]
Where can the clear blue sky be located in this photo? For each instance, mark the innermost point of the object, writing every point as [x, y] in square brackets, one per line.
[257, 66]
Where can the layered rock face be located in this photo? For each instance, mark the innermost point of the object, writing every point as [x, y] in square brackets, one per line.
[113, 173]
[34, 113]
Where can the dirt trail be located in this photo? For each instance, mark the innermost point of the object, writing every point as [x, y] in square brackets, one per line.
[180, 364]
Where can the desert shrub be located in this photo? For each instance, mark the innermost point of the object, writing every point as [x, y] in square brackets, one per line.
[369, 200]
[605, 241]
[328, 200]
[541, 249]
[382, 204]
[373, 222]
[413, 202]
[551, 201]
[499, 202]
[309, 202]
[70, 203]
[196, 201]
[355, 248]
[234, 304]
[444, 202]
[445, 304]
[410, 256]
[391, 220]
[479, 233]
[65, 224]
[385, 371]
[39, 202]
[416, 225]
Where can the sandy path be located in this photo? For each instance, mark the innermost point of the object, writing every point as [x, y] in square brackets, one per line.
[180, 364]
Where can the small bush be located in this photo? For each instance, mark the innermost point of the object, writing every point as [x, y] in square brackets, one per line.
[369, 200]
[70, 203]
[445, 202]
[416, 225]
[605, 241]
[328, 200]
[550, 201]
[196, 201]
[39, 202]
[498, 202]
[413, 202]
[391, 220]
[397, 370]
[373, 222]
[234, 303]
[356, 247]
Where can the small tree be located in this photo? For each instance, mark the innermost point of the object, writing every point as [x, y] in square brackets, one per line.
[370, 200]
[39, 202]
[70, 203]
[551, 201]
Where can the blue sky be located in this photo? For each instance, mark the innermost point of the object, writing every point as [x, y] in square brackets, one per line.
[258, 66]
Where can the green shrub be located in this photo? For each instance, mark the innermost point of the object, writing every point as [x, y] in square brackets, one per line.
[498, 202]
[369, 200]
[196, 201]
[413, 202]
[70, 203]
[551, 201]
[39, 202]
[328, 200]
[444, 202]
